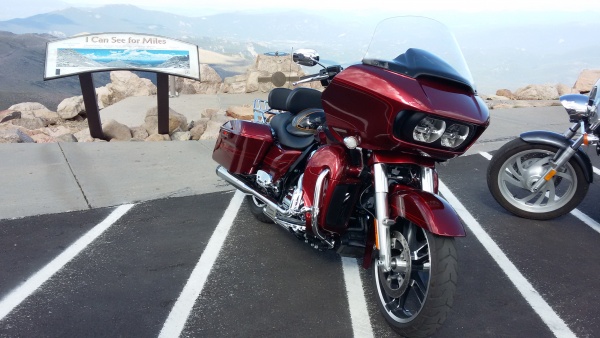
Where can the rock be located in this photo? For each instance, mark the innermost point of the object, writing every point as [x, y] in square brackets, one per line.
[198, 129]
[181, 136]
[210, 82]
[71, 107]
[66, 138]
[30, 124]
[43, 138]
[56, 131]
[84, 135]
[240, 112]
[586, 80]
[506, 93]
[139, 133]
[176, 121]
[103, 96]
[14, 134]
[7, 115]
[563, 89]
[32, 110]
[158, 137]
[115, 130]
[209, 113]
[537, 92]
[212, 130]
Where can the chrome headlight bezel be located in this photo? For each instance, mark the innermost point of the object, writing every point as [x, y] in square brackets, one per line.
[433, 131]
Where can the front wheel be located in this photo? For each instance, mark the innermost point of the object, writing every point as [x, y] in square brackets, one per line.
[417, 293]
[516, 167]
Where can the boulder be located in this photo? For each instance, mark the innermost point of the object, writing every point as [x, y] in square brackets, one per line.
[14, 134]
[56, 131]
[212, 130]
[114, 130]
[84, 135]
[537, 92]
[198, 129]
[210, 82]
[181, 136]
[176, 121]
[563, 89]
[586, 80]
[209, 113]
[505, 93]
[71, 107]
[139, 133]
[158, 137]
[30, 124]
[7, 115]
[66, 138]
[32, 110]
[240, 112]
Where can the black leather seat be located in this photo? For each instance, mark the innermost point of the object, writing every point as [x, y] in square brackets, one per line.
[278, 98]
[297, 100]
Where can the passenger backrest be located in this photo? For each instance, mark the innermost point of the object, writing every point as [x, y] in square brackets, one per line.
[278, 98]
[302, 98]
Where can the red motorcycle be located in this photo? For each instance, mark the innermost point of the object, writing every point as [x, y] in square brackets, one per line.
[352, 168]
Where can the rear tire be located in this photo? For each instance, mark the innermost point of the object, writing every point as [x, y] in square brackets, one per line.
[256, 208]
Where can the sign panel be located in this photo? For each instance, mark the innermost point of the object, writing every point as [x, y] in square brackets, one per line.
[121, 51]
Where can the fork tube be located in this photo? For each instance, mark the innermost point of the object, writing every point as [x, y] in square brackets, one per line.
[381, 213]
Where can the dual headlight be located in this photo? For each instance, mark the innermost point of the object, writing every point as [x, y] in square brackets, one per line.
[434, 131]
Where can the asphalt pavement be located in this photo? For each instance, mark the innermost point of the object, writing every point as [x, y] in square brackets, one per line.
[60, 177]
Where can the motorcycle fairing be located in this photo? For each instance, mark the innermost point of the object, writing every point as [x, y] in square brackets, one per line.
[429, 211]
[559, 141]
[333, 157]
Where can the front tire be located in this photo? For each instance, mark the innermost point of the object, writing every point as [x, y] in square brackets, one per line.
[417, 294]
[518, 165]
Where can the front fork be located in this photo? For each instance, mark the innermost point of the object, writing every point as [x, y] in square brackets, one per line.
[382, 220]
[567, 153]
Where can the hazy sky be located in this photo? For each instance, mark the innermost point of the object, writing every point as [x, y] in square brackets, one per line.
[213, 6]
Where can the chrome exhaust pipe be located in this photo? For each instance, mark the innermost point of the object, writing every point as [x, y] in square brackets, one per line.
[242, 186]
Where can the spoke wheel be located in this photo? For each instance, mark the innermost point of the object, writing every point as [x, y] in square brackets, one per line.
[417, 293]
[518, 165]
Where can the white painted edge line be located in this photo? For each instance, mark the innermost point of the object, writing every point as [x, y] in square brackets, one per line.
[361, 321]
[19, 294]
[575, 212]
[181, 310]
[535, 300]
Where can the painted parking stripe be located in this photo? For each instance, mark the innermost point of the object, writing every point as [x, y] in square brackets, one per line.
[361, 322]
[535, 300]
[175, 323]
[575, 212]
[19, 294]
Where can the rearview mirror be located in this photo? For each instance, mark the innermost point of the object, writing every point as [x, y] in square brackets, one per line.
[306, 57]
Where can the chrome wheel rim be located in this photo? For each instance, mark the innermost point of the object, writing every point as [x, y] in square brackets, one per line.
[403, 290]
[521, 171]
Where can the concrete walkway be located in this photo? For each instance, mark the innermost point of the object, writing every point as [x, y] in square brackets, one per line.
[51, 178]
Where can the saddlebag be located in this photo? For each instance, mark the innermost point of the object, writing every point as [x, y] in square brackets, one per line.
[242, 145]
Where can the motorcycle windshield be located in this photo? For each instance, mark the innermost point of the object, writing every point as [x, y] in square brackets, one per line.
[418, 46]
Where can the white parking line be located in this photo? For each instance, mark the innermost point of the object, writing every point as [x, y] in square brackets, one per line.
[535, 300]
[361, 322]
[575, 212]
[175, 323]
[19, 294]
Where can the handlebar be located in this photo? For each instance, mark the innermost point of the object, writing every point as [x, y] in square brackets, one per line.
[324, 74]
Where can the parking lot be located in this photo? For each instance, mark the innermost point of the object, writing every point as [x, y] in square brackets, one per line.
[184, 266]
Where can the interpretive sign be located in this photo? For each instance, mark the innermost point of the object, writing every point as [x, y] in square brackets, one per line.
[114, 51]
[86, 54]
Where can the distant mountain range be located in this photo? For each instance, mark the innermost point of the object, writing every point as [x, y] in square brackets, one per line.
[504, 50]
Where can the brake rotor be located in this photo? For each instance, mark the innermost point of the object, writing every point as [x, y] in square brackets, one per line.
[395, 282]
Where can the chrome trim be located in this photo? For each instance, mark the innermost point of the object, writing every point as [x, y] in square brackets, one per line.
[227, 176]
[427, 180]
[381, 214]
[315, 209]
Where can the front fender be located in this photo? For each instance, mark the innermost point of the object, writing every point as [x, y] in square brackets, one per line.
[430, 212]
[559, 141]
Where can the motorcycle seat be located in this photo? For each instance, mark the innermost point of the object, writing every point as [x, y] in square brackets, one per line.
[279, 125]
